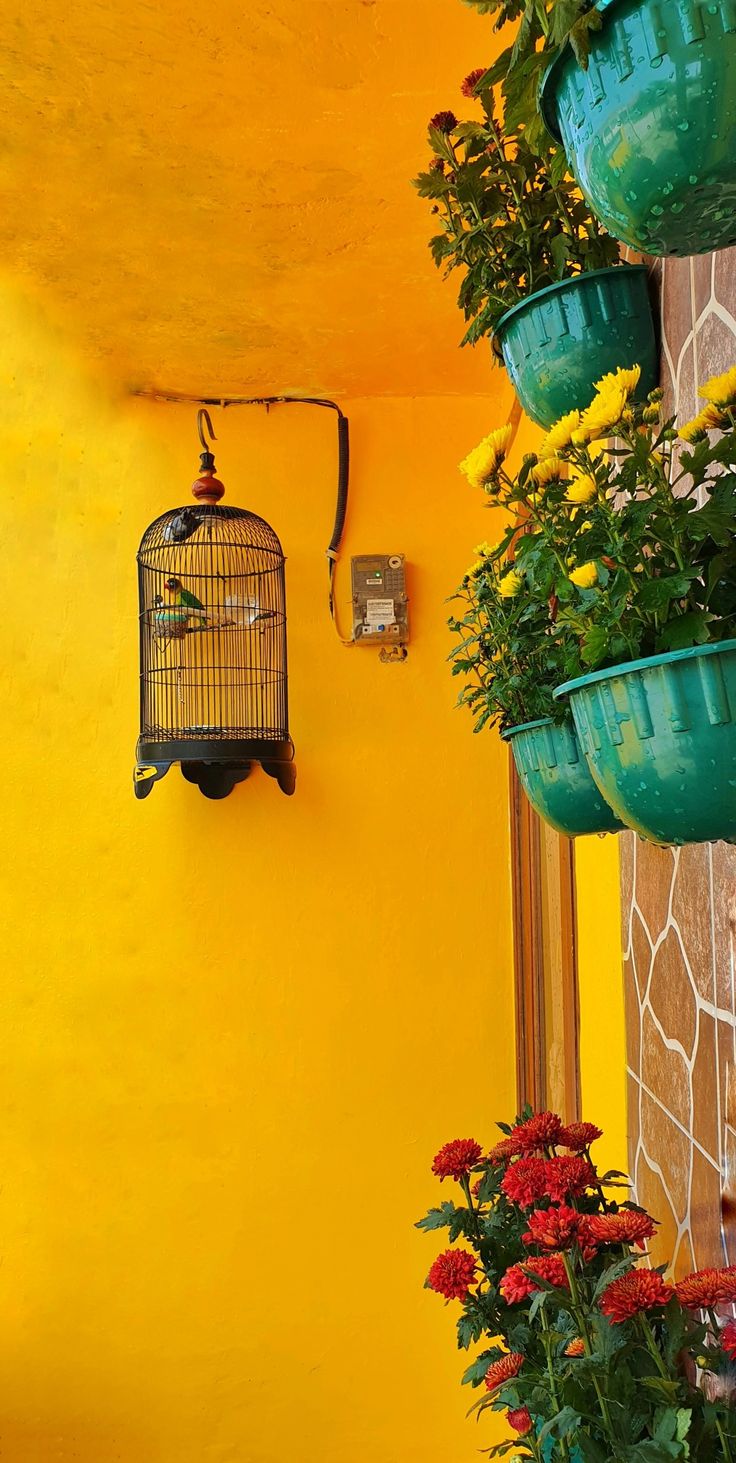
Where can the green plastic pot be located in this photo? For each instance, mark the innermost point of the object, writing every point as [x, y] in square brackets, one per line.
[649, 128]
[659, 736]
[555, 777]
[561, 340]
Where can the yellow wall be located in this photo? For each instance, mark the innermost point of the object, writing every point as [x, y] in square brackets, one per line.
[602, 1032]
[233, 1034]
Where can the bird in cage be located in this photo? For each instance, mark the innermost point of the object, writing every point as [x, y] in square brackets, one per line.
[181, 526]
[186, 604]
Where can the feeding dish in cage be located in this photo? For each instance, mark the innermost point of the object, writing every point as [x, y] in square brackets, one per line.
[212, 615]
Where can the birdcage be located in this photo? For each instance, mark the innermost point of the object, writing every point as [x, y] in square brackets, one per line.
[213, 678]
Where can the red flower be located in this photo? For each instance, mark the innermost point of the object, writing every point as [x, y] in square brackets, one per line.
[728, 1340]
[538, 1132]
[707, 1288]
[515, 1285]
[628, 1227]
[471, 81]
[525, 1182]
[567, 1176]
[520, 1420]
[456, 1159]
[437, 165]
[503, 1370]
[639, 1290]
[443, 121]
[556, 1229]
[452, 1274]
[518, 1282]
[576, 1347]
[550, 1268]
[507, 1148]
[578, 1136]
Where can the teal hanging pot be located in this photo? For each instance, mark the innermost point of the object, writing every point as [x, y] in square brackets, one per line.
[561, 340]
[649, 128]
[660, 739]
[556, 780]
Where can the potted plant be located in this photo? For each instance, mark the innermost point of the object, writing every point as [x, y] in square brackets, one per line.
[656, 710]
[641, 95]
[539, 276]
[512, 660]
[640, 539]
[588, 1354]
[648, 125]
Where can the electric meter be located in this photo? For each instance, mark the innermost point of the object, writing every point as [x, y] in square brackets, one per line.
[380, 605]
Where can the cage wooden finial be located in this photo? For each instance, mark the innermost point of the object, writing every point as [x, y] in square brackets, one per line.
[206, 488]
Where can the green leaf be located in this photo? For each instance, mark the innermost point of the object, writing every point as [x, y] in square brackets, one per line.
[475, 1373]
[685, 630]
[611, 1273]
[664, 1387]
[655, 594]
[469, 1329]
[684, 1419]
[563, 1425]
[589, 1450]
[448, 1216]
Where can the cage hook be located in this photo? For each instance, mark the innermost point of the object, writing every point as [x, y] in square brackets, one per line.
[204, 416]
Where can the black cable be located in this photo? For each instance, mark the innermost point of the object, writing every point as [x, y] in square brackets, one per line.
[343, 451]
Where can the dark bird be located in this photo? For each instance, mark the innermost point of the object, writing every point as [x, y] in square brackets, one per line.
[181, 527]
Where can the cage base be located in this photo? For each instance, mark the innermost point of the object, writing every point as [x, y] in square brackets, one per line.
[215, 767]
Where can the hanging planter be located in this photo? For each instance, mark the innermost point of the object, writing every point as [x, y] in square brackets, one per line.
[659, 736]
[556, 779]
[560, 341]
[649, 127]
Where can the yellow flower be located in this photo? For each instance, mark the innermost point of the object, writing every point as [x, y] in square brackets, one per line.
[510, 584]
[475, 569]
[604, 413]
[486, 550]
[582, 489]
[714, 415]
[559, 435]
[585, 576]
[706, 421]
[549, 471]
[623, 379]
[482, 464]
[721, 390]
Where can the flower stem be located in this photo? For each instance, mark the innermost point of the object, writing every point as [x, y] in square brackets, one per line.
[564, 1449]
[582, 1321]
[465, 1184]
[651, 1345]
[724, 1441]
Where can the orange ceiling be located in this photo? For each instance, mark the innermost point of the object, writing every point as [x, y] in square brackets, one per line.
[216, 199]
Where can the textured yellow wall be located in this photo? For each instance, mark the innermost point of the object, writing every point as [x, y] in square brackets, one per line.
[233, 1034]
[602, 1030]
[218, 196]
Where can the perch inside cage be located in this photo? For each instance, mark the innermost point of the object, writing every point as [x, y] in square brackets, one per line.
[212, 613]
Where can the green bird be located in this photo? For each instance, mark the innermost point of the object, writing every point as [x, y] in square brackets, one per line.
[182, 599]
